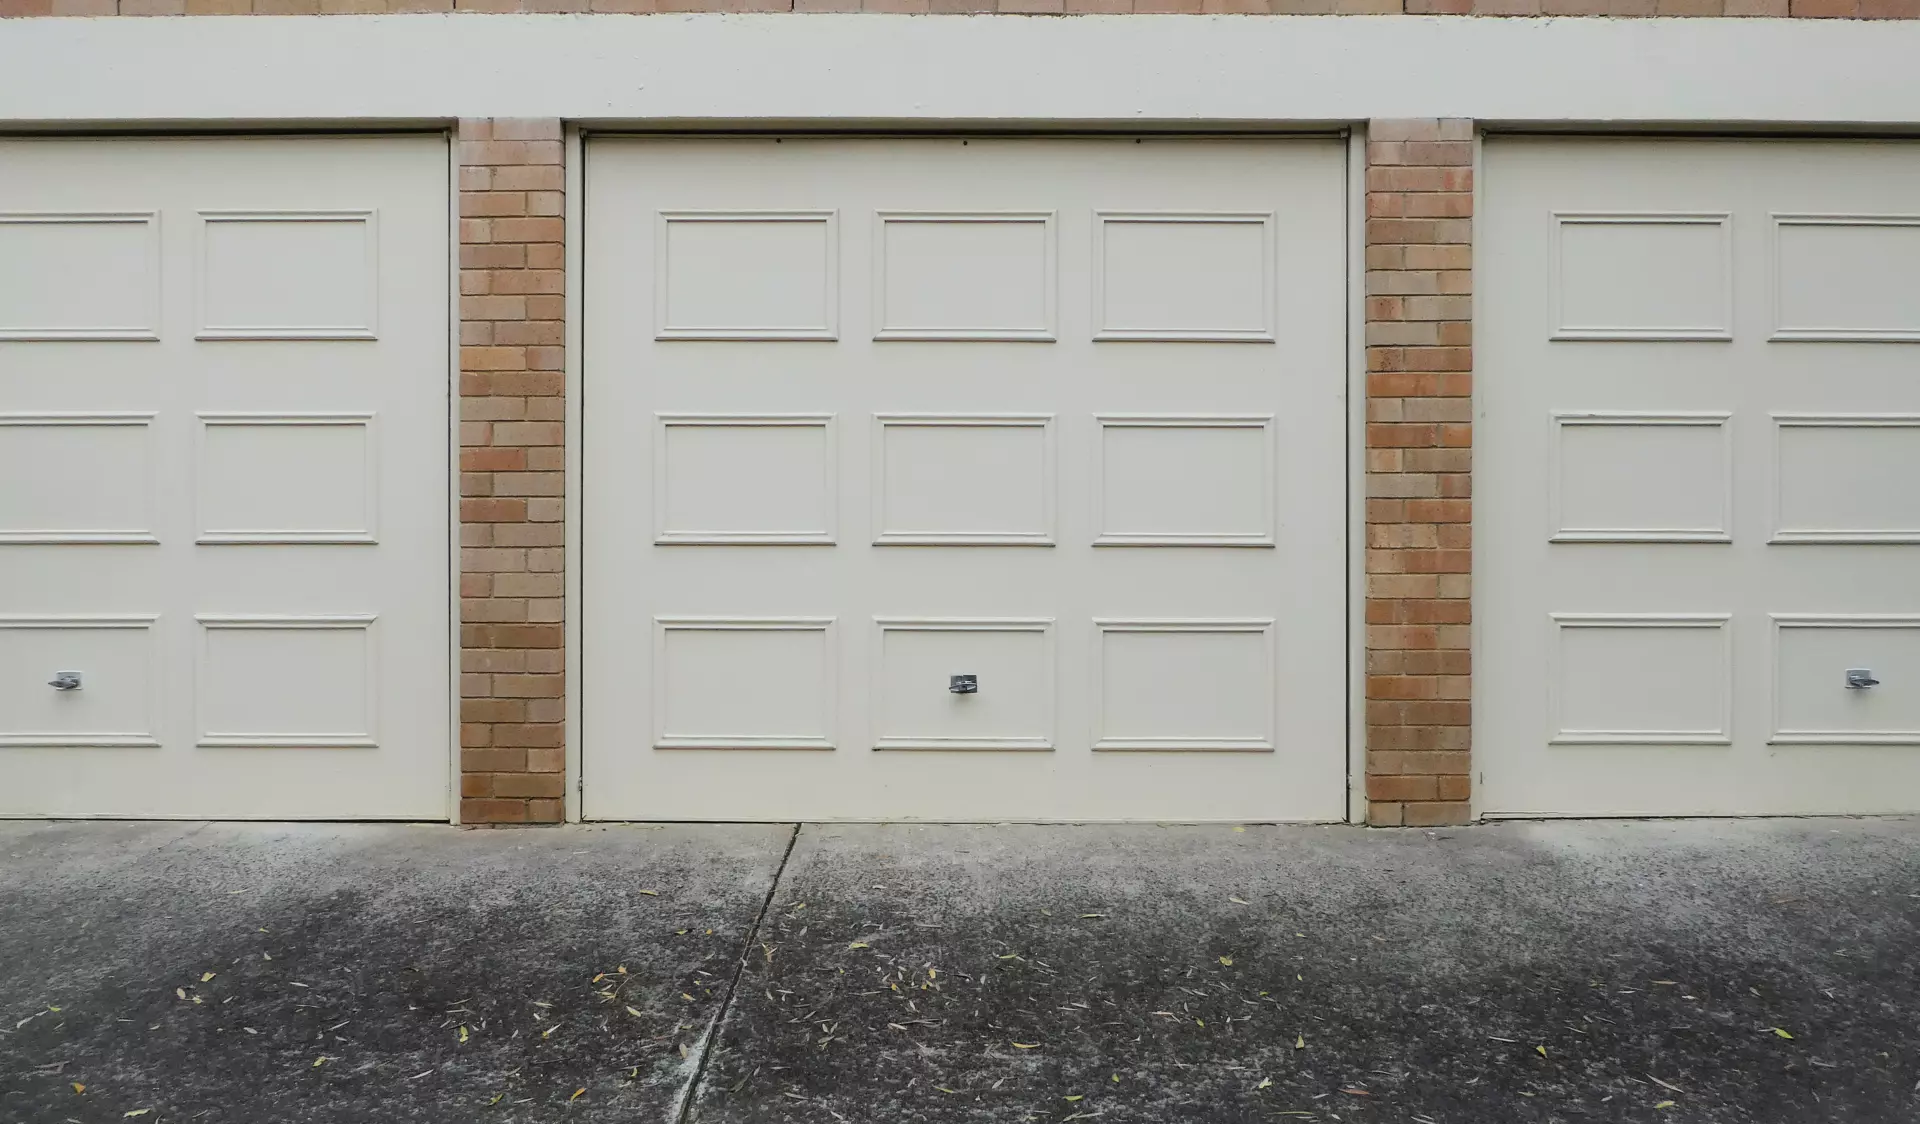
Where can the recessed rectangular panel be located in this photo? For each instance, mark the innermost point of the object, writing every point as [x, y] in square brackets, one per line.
[745, 478]
[1642, 276]
[963, 479]
[1846, 277]
[1812, 702]
[1183, 684]
[1642, 477]
[914, 702]
[1656, 679]
[289, 275]
[948, 275]
[77, 478]
[1846, 478]
[118, 697]
[287, 478]
[746, 275]
[1174, 275]
[743, 683]
[73, 275]
[1184, 480]
[287, 681]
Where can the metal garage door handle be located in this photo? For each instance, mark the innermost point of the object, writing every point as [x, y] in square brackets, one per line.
[1860, 678]
[65, 681]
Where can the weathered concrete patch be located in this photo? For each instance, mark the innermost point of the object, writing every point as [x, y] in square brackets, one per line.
[285, 974]
[1550, 972]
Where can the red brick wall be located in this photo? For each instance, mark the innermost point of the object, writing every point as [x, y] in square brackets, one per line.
[1419, 285]
[512, 471]
[1856, 9]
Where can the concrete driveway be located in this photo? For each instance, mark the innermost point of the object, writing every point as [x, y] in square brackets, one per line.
[1675, 972]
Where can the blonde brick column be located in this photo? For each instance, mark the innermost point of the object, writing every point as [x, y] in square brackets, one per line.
[512, 471]
[1419, 469]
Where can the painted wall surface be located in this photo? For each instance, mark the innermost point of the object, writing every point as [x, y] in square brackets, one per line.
[918, 70]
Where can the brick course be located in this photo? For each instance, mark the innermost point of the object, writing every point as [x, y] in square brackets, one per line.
[1813, 9]
[1419, 451]
[512, 471]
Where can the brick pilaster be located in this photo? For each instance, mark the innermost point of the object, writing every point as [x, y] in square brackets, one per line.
[512, 471]
[1419, 469]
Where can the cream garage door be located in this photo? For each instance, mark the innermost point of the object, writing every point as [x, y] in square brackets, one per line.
[223, 437]
[1698, 478]
[964, 479]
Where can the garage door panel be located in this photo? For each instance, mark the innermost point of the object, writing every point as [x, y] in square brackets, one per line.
[1642, 275]
[964, 479]
[1814, 706]
[122, 679]
[79, 275]
[112, 502]
[1846, 277]
[1004, 698]
[1724, 516]
[262, 476]
[1841, 478]
[965, 275]
[1039, 350]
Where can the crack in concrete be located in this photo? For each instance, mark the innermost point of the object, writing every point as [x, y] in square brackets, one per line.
[704, 1048]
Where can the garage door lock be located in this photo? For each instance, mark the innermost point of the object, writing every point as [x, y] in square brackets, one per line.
[65, 681]
[1860, 678]
[963, 684]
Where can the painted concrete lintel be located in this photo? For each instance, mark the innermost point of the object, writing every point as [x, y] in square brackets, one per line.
[1161, 70]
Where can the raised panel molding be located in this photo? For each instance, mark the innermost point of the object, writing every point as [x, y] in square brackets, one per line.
[73, 277]
[308, 685]
[1895, 285]
[820, 693]
[1893, 479]
[1185, 292]
[281, 494]
[30, 678]
[1260, 679]
[1042, 533]
[737, 475]
[822, 319]
[56, 483]
[1660, 476]
[1896, 693]
[1691, 679]
[1265, 484]
[1041, 626]
[1042, 326]
[347, 290]
[1712, 323]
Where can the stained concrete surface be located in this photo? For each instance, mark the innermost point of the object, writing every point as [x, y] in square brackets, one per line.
[1707, 972]
[284, 974]
[1550, 972]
